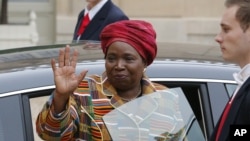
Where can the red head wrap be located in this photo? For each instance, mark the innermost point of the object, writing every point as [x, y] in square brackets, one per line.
[139, 34]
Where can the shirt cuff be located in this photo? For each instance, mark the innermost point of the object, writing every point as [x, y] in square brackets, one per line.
[52, 111]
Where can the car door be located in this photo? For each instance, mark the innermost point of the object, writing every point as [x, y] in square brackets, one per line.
[207, 100]
[32, 102]
[12, 124]
[19, 110]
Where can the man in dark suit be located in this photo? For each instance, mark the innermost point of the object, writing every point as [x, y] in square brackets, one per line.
[100, 13]
[234, 40]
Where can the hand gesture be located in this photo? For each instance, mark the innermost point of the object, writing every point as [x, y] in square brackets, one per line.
[66, 81]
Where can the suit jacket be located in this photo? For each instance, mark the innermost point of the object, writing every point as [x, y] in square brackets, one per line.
[109, 13]
[239, 112]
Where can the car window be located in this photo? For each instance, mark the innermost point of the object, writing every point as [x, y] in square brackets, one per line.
[192, 92]
[33, 102]
[11, 118]
[155, 123]
[194, 133]
[197, 95]
[207, 100]
[36, 104]
[231, 88]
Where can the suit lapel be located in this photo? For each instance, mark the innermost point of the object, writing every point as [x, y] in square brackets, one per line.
[79, 22]
[234, 110]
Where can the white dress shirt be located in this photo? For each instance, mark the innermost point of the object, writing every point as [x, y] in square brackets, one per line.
[241, 77]
[92, 12]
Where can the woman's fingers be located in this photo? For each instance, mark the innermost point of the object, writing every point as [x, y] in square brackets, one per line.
[82, 75]
[64, 57]
[61, 58]
[74, 58]
[67, 56]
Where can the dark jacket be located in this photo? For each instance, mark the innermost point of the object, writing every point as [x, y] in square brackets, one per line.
[239, 113]
[109, 13]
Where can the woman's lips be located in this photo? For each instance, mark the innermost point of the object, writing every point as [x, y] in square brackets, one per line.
[120, 76]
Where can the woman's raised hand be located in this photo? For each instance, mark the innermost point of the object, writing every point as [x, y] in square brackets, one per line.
[65, 77]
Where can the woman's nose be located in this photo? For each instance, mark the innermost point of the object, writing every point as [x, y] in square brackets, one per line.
[120, 64]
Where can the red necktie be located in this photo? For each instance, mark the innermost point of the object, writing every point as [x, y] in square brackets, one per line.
[223, 118]
[84, 24]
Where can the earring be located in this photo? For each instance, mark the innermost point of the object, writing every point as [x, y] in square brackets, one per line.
[144, 69]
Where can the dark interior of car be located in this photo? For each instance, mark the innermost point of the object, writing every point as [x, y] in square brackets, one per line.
[192, 93]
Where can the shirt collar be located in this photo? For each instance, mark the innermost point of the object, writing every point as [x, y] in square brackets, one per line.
[242, 75]
[94, 9]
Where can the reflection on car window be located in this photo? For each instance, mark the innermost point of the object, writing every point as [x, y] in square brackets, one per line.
[11, 118]
[195, 134]
[192, 126]
[193, 94]
[163, 115]
[230, 88]
[36, 104]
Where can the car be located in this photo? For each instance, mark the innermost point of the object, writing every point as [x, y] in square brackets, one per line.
[26, 81]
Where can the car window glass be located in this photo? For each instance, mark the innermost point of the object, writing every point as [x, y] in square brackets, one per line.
[231, 88]
[191, 90]
[144, 118]
[36, 104]
[195, 133]
[192, 93]
[11, 119]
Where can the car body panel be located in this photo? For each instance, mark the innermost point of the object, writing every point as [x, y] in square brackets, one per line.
[26, 74]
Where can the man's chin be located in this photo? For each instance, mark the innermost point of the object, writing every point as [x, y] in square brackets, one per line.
[229, 60]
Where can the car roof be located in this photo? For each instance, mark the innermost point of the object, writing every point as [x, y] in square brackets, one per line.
[29, 67]
[91, 50]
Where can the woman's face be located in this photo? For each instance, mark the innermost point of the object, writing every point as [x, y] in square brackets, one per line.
[124, 66]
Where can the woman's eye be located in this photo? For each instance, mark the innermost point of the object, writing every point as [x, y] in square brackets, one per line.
[110, 58]
[129, 58]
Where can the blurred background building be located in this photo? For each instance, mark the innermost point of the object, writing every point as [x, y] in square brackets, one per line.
[53, 21]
